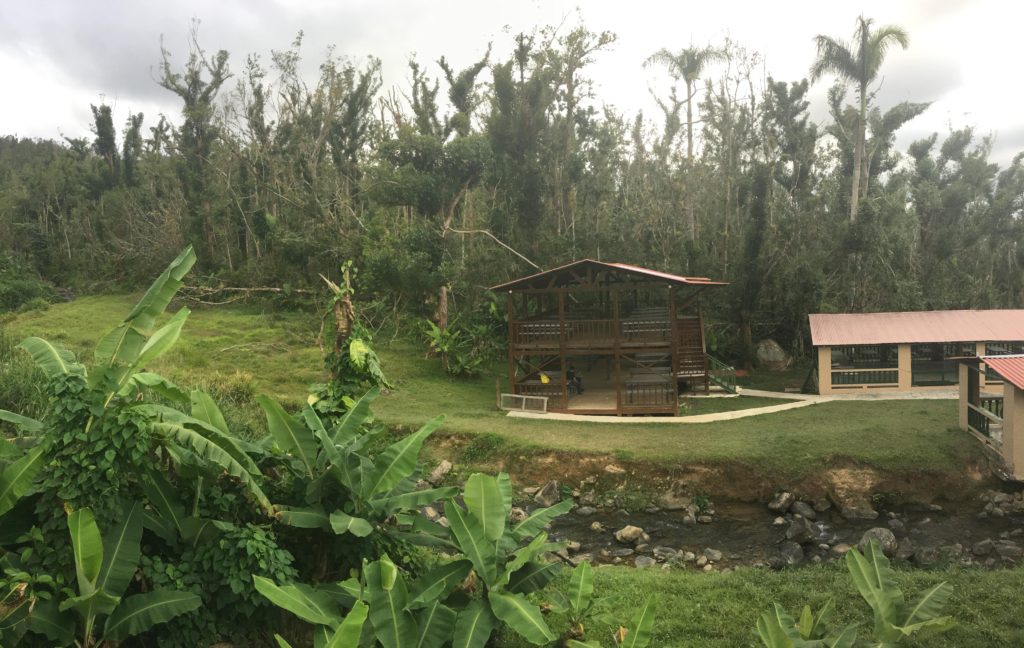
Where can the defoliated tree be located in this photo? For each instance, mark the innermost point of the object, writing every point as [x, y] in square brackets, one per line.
[857, 63]
[687, 64]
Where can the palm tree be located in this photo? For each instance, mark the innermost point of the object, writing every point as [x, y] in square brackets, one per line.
[687, 64]
[857, 63]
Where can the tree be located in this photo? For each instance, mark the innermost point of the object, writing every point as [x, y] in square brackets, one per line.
[687, 64]
[859, 63]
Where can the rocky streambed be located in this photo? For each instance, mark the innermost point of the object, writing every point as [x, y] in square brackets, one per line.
[787, 532]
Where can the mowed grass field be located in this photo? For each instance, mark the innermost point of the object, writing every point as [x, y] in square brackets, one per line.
[275, 353]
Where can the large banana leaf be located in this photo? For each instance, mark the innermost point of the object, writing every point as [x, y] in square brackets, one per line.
[351, 629]
[435, 584]
[46, 619]
[342, 522]
[522, 616]
[415, 499]
[24, 422]
[394, 625]
[777, 629]
[435, 625]
[123, 344]
[164, 499]
[522, 556]
[301, 600]
[205, 409]
[399, 461]
[88, 549]
[473, 626]
[876, 582]
[291, 435]
[154, 382]
[505, 486]
[139, 613]
[210, 451]
[161, 341]
[925, 614]
[329, 451]
[532, 577]
[121, 553]
[483, 498]
[350, 424]
[214, 433]
[304, 518]
[581, 587]
[52, 359]
[473, 541]
[639, 634]
[17, 478]
[539, 519]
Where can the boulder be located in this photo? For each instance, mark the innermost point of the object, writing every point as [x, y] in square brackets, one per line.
[664, 553]
[982, 548]
[1009, 550]
[702, 561]
[437, 475]
[905, 549]
[803, 509]
[642, 562]
[885, 538]
[771, 356]
[800, 531]
[549, 495]
[781, 502]
[586, 510]
[713, 555]
[839, 550]
[629, 534]
[674, 499]
[857, 510]
[792, 554]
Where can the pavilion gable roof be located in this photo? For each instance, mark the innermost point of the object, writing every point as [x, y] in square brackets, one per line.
[921, 327]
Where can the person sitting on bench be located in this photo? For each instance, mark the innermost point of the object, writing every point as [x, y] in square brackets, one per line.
[573, 380]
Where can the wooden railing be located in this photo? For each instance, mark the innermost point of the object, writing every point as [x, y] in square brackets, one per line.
[649, 391]
[886, 376]
[982, 420]
[993, 405]
[583, 332]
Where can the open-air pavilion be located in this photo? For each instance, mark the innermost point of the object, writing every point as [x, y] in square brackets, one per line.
[995, 415]
[634, 336]
[908, 350]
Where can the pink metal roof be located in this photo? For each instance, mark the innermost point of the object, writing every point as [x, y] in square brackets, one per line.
[1010, 367]
[538, 279]
[917, 327]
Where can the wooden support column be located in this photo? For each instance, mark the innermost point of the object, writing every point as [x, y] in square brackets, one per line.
[965, 381]
[1013, 429]
[561, 345]
[905, 367]
[980, 349]
[824, 370]
[617, 324]
[674, 316]
[511, 354]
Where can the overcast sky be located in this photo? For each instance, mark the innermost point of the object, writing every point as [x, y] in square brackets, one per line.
[58, 56]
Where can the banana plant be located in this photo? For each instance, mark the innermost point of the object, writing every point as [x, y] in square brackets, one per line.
[894, 619]
[118, 379]
[322, 608]
[104, 567]
[636, 635]
[349, 491]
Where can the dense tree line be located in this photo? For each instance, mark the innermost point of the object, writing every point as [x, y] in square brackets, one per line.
[464, 177]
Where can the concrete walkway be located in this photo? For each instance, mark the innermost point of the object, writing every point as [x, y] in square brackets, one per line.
[798, 401]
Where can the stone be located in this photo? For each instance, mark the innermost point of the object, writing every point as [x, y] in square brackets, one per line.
[665, 553]
[885, 538]
[771, 356]
[803, 509]
[708, 567]
[430, 513]
[1009, 550]
[673, 499]
[443, 521]
[934, 508]
[437, 475]
[517, 514]
[612, 469]
[549, 495]
[800, 531]
[896, 525]
[792, 554]
[586, 510]
[530, 491]
[580, 558]
[596, 526]
[982, 548]
[622, 553]
[926, 556]
[687, 556]
[822, 504]
[642, 562]
[689, 519]
[905, 549]
[704, 519]
[713, 555]
[781, 502]
[629, 534]
[779, 521]
[858, 511]
[840, 549]
[572, 546]
[702, 561]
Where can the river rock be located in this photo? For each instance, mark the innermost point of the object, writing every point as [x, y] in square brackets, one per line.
[858, 510]
[664, 553]
[612, 469]
[572, 546]
[530, 491]
[982, 548]
[629, 534]
[596, 526]
[430, 513]
[586, 510]
[702, 561]
[642, 562]
[792, 554]
[1008, 549]
[687, 556]
[549, 495]
[840, 549]
[673, 499]
[580, 558]
[779, 521]
[704, 519]
[781, 502]
[713, 555]
[771, 356]
[885, 538]
[926, 556]
[517, 515]
[622, 553]
[822, 504]
[800, 531]
[708, 567]
[803, 509]
[437, 475]
[905, 549]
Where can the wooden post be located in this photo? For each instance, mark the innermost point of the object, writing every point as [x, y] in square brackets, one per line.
[673, 315]
[965, 389]
[511, 350]
[905, 367]
[980, 349]
[618, 350]
[561, 345]
[824, 370]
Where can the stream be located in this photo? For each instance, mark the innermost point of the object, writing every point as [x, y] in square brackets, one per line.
[749, 534]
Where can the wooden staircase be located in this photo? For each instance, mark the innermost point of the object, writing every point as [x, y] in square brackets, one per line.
[691, 358]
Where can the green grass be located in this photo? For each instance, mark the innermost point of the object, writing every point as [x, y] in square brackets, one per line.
[275, 353]
[792, 378]
[697, 610]
[713, 405]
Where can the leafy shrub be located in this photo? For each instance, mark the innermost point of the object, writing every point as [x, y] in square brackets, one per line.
[20, 288]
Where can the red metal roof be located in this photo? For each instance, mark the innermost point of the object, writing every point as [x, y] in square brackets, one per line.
[917, 327]
[540, 279]
[1010, 367]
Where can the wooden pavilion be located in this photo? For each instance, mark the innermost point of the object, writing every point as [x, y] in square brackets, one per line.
[634, 336]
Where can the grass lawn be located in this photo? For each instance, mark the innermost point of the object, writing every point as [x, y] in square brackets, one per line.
[713, 405]
[697, 610]
[276, 353]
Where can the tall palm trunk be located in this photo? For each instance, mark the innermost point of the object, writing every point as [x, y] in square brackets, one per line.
[858, 155]
[691, 216]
